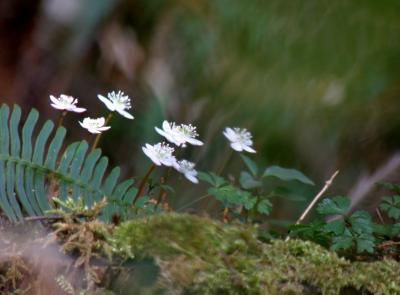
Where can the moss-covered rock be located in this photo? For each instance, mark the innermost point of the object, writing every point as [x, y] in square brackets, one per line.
[196, 255]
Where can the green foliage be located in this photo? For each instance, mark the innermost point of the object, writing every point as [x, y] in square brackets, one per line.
[251, 194]
[32, 175]
[348, 232]
[391, 205]
[232, 197]
[251, 165]
[212, 179]
[248, 182]
[314, 231]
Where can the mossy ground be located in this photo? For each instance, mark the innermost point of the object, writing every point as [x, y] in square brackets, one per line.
[186, 254]
[199, 256]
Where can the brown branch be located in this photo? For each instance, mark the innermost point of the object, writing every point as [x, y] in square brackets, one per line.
[328, 183]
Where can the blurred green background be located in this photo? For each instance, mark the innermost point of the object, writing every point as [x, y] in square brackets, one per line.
[315, 81]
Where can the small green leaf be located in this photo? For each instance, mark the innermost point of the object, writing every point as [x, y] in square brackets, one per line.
[361, 222]
[264, 207]
[247, 181]
[287, 174]
[391, 205]
[365, 243]
[382, 229]
[250, 164]
[204, 176]
[344, 241]
[395, 230]
[249, 202]
[230, 195]
[337, 227]
[337, 205]
[212, 178]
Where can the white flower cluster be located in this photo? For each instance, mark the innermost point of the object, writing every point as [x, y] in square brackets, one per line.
[160, 153]
[115, 102]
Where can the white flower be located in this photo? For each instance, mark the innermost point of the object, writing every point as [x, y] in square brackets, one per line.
[95, 126]
[117, 102]
[160, 154]
[65, 103]
[240, 139]
[187, 168]
[179, 134]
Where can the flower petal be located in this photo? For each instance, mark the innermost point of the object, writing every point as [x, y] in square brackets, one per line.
[57, 106]
[149, 154]
[166, 126]
[76, 109]
[107, 102]
[54, 99]
[94, 131]
[168, 136]
[237, 146]
[125, 114]
[191, 177]
[170, 161]
[104, 128]
[230, 134]
[249, 149]
[194, 141]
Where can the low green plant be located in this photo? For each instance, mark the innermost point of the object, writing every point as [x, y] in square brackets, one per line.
[249, 196]
[31, 175]
[348, 233]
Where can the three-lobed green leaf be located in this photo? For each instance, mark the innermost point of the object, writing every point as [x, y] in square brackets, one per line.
[335, 206]
[391, 205]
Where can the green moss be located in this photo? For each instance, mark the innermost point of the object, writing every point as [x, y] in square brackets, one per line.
[200, 256]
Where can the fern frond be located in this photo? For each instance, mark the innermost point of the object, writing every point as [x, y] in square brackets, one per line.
[29, 173]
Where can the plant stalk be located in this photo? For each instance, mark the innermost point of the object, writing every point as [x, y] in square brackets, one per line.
[225, 162]
[61, 118]
[97, 139]
[143, 182]
[193, 202]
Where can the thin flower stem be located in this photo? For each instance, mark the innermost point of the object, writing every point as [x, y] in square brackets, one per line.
[378, 213]
[97, 139]
[61, 118]
[328, 183]
[225, 162]
[225, 215]
[143, 183]
[163, 193]
[193, 202]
